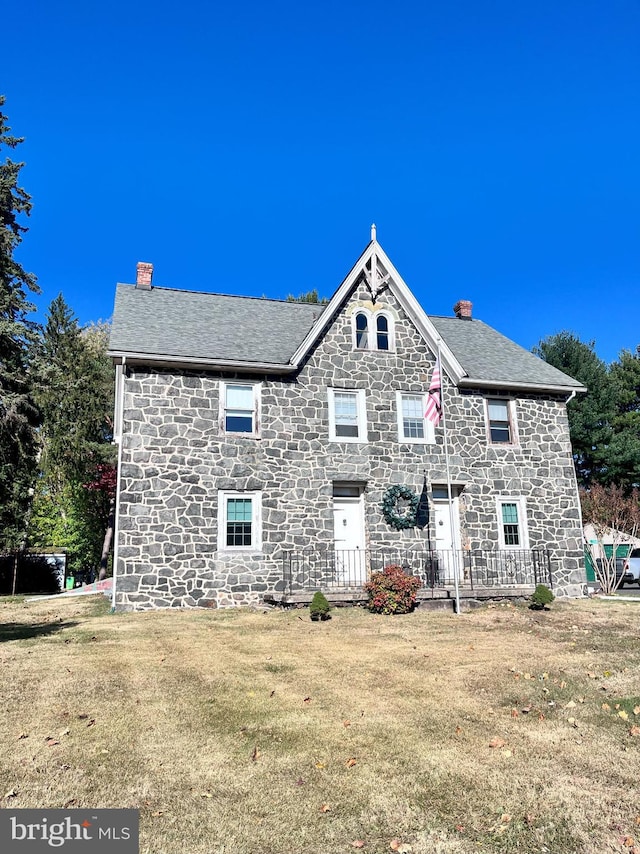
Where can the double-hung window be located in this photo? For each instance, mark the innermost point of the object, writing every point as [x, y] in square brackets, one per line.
[500, 421]
[239, 407]
[512, 523]
[347, 415]
[239, 521]
[412, 425]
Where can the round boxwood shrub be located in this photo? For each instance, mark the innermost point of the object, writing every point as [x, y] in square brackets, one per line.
[392, 591]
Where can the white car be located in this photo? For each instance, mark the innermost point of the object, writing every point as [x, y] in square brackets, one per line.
[631, 569]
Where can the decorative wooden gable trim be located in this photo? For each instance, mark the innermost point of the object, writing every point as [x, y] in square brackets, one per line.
[384, 277]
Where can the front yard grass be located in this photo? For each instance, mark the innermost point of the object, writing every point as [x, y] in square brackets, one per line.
[499, 730]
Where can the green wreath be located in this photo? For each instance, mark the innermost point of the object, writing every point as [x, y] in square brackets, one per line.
[390, 511]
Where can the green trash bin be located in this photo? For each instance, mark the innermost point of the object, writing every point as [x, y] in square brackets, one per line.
[69, 582]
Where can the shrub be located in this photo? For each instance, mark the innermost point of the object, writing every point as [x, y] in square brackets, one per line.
[541, 597]
[319, 607]
[392, 591]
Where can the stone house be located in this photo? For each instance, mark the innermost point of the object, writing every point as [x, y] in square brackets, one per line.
[260, 442]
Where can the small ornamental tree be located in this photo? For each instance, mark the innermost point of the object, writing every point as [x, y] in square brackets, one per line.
[615, 519]
[392, 591]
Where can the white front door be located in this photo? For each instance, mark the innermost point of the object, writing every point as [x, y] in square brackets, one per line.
[447, 539]
[349, 542]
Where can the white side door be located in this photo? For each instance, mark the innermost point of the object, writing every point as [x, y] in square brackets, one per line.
[349, 541]
[447, 539]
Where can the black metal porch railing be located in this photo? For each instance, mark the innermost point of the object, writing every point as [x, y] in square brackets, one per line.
[328, 569]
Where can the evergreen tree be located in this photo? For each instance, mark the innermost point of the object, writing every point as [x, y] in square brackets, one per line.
[18, 414]
[74, 392]
[591, 414]
[623, 464]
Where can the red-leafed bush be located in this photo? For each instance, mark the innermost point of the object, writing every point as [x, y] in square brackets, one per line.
[392, 591]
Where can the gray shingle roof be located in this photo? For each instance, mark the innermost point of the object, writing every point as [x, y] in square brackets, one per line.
[168, 322]
[487, 356]
[164, 322]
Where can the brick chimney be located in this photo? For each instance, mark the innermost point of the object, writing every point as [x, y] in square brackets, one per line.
[463, 308]
[144, 276]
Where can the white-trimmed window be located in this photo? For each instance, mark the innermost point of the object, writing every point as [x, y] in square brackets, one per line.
[500, 421]
[373, 330]
[240, 408]
[347, 415]
[362, 331]
[512, 523]
[239, 521]
[412, 425]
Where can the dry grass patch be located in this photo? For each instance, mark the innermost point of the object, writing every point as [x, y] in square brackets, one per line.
[500, 730]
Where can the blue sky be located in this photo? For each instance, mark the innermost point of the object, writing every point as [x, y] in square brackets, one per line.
[246, 148]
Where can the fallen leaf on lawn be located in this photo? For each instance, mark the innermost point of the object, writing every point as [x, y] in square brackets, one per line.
[622, 714]
[92, 722]
[11, 794]
[497, 742]
[458, 730]
[206, 795]
[395, 844]
[527, 676]
[563, 684]
[635, 730]
[65, 732]
[505, 818]
[636, 710]
[629, 841]
[507, 753]
[570, 705]
[325, 808]
[51, 742]
[255, 754]
[358, 843]
[350, 762]
[541, 716]
[346, 723]
[104, 750]
[515, 713]
[529, 818]
[320, 765]
[526, 709]
[592, 675]
[606, 707]
[307, 700]
[157, 813]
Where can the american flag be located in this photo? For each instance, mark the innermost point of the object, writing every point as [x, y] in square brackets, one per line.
[433, 412]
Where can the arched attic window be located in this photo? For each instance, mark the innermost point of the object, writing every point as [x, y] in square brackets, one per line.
[382, 332]
[373, 331]
[362, 331]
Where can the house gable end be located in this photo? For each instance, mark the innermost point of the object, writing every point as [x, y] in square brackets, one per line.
[384, 278]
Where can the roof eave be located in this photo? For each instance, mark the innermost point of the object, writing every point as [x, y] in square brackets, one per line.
[156, 360]
[469, 382]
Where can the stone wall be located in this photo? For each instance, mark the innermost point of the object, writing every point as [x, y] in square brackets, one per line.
[175, 459]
